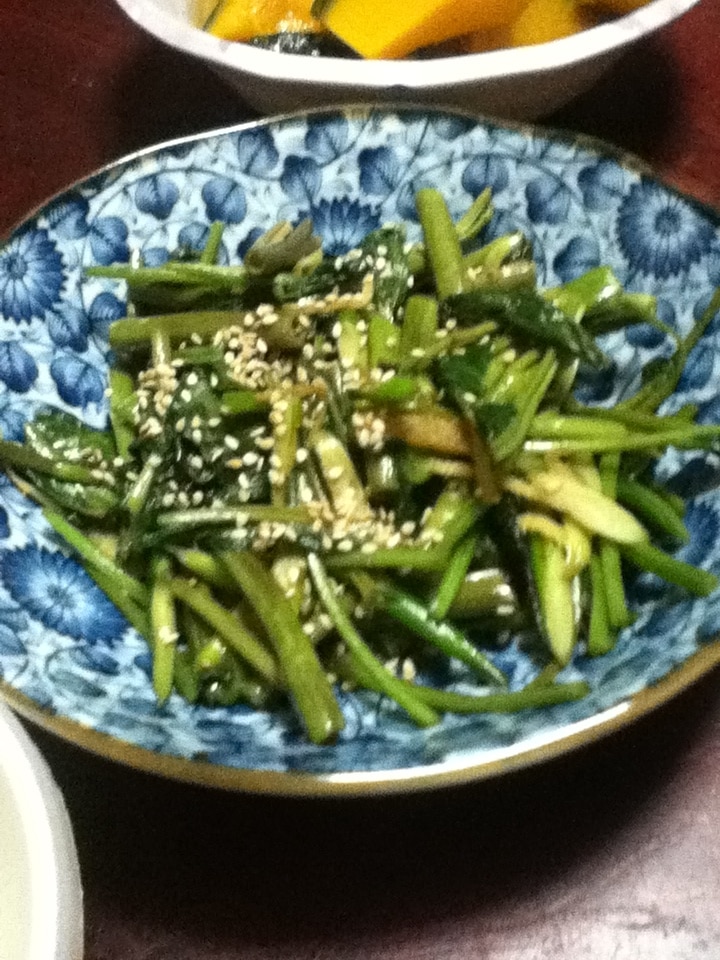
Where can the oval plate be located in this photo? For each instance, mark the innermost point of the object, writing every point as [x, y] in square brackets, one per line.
[68, 660]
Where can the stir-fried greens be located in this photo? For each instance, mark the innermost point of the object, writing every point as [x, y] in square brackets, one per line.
[340, 470]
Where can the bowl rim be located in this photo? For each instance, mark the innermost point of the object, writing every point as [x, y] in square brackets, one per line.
[430, 74]
[55, 907]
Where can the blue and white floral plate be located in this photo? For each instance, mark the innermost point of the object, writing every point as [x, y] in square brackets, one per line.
[67, 658]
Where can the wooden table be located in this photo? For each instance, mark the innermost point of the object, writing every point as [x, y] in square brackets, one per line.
[611, 853]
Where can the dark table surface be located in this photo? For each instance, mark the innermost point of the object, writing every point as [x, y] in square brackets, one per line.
[610, 853]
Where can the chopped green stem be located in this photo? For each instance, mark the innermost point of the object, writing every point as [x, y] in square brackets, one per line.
[201, 601]
[22, 457]
[383, 342]
[555, 426]
[164, 628]
[397, 391]
[139, 492]
[346, 490]
[391, 558]
[509, 248]
[132, 331]
[453, 577]
[308, 685]
[618, 613]
[536, 384]
[418, 329]
[478, 215]
[206, 567]
[96, 559]
[414, 615]
[352, 344]
[452, 516]
[290, 572]
[651, 507]
[673, 500]
[634, 420]
[285, 436]
[135, 614]
[373, 673]
[238, 402]
[185, 679]
[651, 558]
[688, 438]
[122, 406]
[442, 245]
[178, 521]
[556, 601]
[532, 697]
[213, 243]
[225, 678]
[601, 634]
[233, 279]
[667, 374]
[485, 593]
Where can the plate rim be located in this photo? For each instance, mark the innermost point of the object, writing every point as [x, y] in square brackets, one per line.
[530, 752]
[567, 739]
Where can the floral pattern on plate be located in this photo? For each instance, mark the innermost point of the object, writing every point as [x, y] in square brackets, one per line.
[66, 648]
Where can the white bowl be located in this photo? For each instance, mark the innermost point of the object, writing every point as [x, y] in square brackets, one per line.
[521, 84]
[41, 915]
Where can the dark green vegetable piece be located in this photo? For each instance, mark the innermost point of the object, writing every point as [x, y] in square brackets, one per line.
[507, 701]
[651, 558]
[652, 508]
[378, 676]
[232, 631]
[281, 247]
[660, 378]
[529, 314]
[442, 243]
[163, 620]
[306, 680]
[414, 615]
[502, 396]
[381, 255]
[515, 551]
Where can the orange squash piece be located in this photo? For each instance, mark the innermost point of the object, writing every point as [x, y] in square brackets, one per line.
[244, 19]
[541, 21]
[377, 29]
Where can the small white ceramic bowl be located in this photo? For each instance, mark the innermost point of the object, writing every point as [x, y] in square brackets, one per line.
[520, 84]
[41, 916]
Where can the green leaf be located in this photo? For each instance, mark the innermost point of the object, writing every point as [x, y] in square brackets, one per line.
[57, 435]
[528, 313]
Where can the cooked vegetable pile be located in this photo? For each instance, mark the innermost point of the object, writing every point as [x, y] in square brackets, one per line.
[370, 29]
[324, 471]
